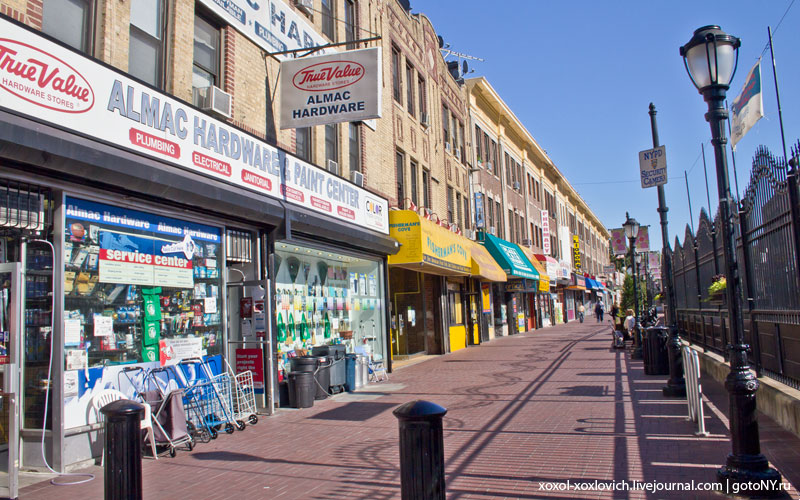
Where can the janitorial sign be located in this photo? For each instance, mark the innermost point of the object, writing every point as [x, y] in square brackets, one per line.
[333, 88]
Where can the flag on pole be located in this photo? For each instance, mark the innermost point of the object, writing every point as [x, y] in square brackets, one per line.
[748, 108]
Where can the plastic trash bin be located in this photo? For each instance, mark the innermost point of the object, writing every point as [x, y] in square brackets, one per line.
[319, 367]
[352, 381]
[362, 371]
[655, 353]
[301, 389]
[336, 354]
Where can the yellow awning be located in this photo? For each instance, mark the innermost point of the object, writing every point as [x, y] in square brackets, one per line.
[544, 279]
[484, 266]
[428, 247]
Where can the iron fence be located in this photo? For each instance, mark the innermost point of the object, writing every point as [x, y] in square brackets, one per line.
[767, 227]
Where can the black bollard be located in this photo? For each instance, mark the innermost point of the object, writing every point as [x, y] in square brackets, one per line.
[421, 450]
[123, 450]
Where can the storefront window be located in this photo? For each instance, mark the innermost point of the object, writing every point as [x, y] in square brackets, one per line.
[138, 287]
[456, 307]
[325, 297]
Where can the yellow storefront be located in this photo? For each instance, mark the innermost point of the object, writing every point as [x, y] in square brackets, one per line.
[485, 269]
[433, 264]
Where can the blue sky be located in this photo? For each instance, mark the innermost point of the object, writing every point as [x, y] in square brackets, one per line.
[580, 76]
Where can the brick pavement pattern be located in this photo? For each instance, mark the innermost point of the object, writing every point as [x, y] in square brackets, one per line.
[546, 406]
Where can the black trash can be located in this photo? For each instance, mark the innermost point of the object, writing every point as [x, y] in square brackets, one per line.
[655, 353]
[350, 372]
[320, 367]
[301, 389]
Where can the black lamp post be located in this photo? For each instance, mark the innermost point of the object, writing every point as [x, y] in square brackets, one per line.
[710, 58]
[632, 232]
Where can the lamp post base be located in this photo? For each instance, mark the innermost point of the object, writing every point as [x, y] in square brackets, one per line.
[676, 385]
[750, 475]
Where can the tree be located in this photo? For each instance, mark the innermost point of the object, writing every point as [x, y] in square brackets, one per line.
[627, 294]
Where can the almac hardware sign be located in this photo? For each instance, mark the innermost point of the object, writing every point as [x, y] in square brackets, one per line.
[48, 82]
[342, 87]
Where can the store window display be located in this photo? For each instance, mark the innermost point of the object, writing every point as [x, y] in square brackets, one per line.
[323, 297]
[138, 287]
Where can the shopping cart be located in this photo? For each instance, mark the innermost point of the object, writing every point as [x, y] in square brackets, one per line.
[244, 396]
[213, 395]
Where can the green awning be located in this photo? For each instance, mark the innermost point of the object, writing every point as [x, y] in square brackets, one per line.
[510, 257]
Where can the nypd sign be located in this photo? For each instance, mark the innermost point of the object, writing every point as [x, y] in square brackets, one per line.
[653, 166]
[342, 87]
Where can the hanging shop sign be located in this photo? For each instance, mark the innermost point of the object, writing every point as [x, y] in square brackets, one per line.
[48, 82]
[334, 88]
[618, 241]
[643, 240]
[576, 253]
[479, 219]
[426, 246]
[545, 232]
[270, 24]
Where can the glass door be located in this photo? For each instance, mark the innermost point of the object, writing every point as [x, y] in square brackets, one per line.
[249, 340]
[10, 321]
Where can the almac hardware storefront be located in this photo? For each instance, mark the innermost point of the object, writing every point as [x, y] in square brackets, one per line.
[122, 245]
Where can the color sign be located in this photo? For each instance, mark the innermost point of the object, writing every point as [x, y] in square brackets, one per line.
[653, 166]
[102, 103]
[423, 242]
[643, 239]
[252, 360]
[486, 296]
[334, 88]
[545, 232]
[576, 253]
[618, 242]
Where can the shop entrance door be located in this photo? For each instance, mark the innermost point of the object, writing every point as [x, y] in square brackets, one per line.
[249, 339]
[10, 326]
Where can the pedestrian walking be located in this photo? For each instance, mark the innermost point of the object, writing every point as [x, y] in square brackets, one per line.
[598, 311]
[581, 312]
[629, 324]
[614, 313]
[602, 311]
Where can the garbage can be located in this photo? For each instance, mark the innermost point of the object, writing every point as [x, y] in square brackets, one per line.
[336, 354]
[319, 367]
[301, 389]
[362, 371]
[655, 353]
[352, 381]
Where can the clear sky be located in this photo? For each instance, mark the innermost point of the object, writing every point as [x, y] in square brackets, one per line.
[581, 74]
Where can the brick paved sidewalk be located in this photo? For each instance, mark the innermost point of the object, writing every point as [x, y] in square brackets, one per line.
[547, 406]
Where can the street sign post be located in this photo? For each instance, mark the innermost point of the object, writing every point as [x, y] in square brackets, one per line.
[653, 166]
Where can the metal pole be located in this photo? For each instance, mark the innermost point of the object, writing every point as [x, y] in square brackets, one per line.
[710, 216]
[676, 385]
[637, 339]
[777, 93]
[745, 464]
[688, 197]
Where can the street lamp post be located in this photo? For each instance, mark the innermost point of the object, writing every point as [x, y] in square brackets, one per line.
[710, 58]
[632, 232]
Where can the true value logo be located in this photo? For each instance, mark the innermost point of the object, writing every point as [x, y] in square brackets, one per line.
[43, 79]
[329, 75]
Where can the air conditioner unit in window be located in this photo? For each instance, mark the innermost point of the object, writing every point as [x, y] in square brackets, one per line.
[333, 167]
[448, 147]
[306, 6]
[213, 99]
[423, 120]
[516, 186]
[357, 178]
[527, 243]
[458, 153]
[469, 234]
[493, 231]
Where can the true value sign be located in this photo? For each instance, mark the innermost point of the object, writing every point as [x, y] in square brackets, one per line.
[653, 166]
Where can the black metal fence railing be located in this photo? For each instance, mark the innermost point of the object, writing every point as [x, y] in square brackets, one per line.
[767, 229]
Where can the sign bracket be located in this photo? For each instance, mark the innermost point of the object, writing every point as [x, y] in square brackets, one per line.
[310, 50]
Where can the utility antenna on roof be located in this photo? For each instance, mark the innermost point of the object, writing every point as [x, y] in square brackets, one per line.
[453, 66]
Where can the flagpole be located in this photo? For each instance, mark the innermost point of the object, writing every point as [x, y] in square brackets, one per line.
[691, 217]
[733, 153]
[777, 93]
[705, 171]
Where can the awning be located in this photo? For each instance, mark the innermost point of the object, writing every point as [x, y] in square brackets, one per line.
[576, 287]
[484, 266]
[592, 284]
[551, 265]
[509, 256]
[544, 279]
[428, 247]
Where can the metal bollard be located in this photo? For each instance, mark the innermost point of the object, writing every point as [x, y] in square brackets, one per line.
[421, 450]
[123, 450]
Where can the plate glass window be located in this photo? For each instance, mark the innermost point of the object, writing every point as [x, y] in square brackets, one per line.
[350, 23]
[68, 21]
[303, 143]
[327, 20]
[332, 146]
[354, 147]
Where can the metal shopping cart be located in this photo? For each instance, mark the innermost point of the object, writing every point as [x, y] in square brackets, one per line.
[212, 393]
[244, 396]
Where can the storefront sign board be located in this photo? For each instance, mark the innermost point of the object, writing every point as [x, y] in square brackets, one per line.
[423, 242]
[334, 88]
[94, 100]
[545, 233]
[270, 24]
[174, 350]
[486, 296]
[576, 253]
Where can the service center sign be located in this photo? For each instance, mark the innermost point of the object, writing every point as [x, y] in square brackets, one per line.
[342, 87]
[48, 82]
